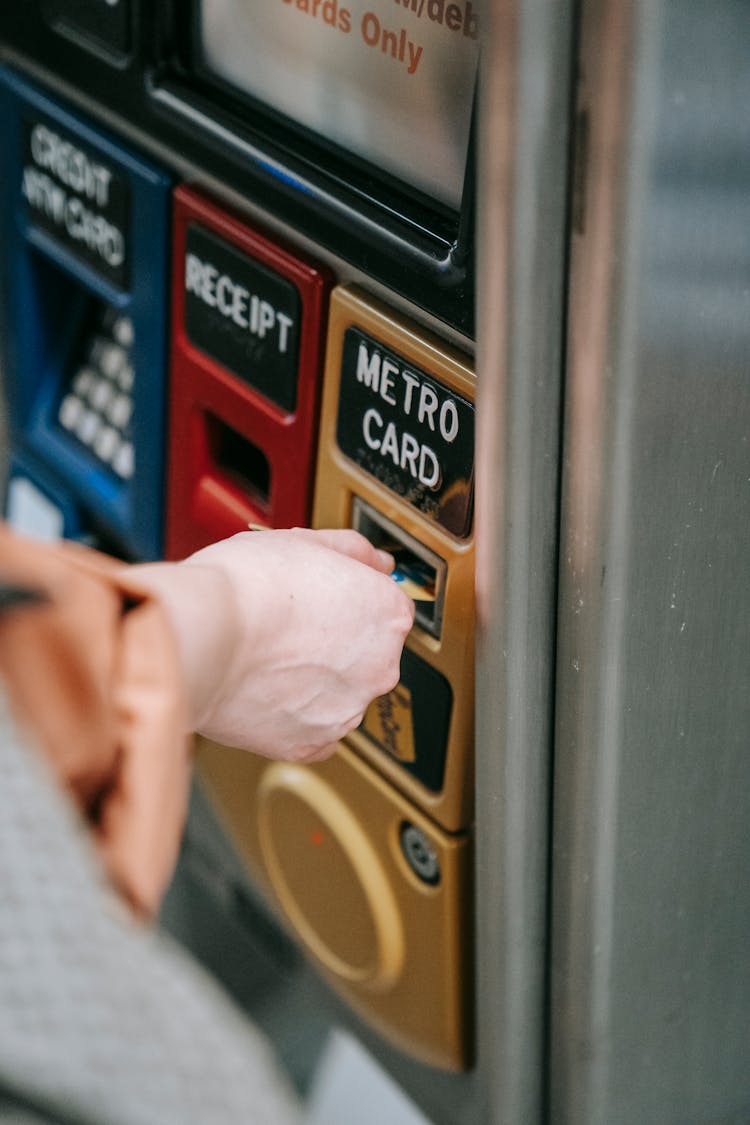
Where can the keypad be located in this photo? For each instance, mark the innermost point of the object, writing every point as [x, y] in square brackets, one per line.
[97, 405]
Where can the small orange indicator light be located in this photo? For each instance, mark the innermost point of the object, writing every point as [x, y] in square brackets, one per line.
[317, 837]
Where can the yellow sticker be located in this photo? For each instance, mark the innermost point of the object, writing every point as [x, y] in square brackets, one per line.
[388, 721]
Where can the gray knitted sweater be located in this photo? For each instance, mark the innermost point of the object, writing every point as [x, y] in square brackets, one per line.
[104, 1021]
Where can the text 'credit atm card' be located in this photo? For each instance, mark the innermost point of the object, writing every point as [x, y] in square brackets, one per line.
[415, 577]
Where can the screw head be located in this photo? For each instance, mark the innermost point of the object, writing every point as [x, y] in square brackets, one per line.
[420, 854]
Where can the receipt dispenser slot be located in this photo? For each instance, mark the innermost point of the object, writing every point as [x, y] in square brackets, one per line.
[239, 460]
[83, 227]
[247, 337]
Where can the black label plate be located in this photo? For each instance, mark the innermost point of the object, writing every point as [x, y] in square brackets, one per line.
[78, 197]
[105, 22]
[243, 315]
[407, 430]
[411, 723]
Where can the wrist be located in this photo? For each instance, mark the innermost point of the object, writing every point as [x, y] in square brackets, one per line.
[198, 602]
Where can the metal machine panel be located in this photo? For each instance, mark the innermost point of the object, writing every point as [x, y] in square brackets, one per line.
[419, 260]
[83, 231]
[248, 326]
[651, 900]
[377, 894]
[396, 461]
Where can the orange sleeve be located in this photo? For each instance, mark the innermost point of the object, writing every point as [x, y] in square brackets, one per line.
[92, 672]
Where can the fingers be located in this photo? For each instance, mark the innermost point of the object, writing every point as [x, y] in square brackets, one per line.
[345, 541]
[315, 628]
[348, 542]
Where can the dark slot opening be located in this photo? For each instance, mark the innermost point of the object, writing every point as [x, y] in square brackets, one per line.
[420, 569]
[239, 460]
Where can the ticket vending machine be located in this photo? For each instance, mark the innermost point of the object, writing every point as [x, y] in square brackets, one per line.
[501, 328]
[318, 318]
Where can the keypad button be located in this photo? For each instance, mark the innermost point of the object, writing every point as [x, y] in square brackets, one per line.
[119, 411]
[110, 359]
[70, 412]
[122, 330]
[126, 378]
[124, 461]
[88, 426]
[107, 443]
[97, 406]
[101, 394]
[82, 381]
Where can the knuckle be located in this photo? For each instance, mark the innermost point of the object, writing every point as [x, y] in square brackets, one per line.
[405, 617]
[316, 753]
[355, 541]
[301, 754]
[389, 676]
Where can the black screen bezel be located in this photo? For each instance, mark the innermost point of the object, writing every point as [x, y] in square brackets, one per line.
[404, 238]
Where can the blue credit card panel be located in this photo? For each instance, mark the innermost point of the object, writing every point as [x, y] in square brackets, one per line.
[37, 504]
[83, 264]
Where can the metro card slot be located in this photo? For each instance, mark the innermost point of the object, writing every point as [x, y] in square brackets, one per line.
[419, 571]
[414, 575]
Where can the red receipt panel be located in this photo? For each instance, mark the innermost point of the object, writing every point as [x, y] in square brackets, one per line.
[247, 343]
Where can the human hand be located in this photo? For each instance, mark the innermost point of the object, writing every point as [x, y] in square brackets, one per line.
[285, 636]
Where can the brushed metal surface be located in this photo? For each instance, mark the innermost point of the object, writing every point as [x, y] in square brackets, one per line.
[651, 898]
[521, 245]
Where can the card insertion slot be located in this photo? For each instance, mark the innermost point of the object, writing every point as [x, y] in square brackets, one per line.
[419, 571]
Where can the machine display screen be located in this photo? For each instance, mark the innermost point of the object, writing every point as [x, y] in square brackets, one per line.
[389, 80]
